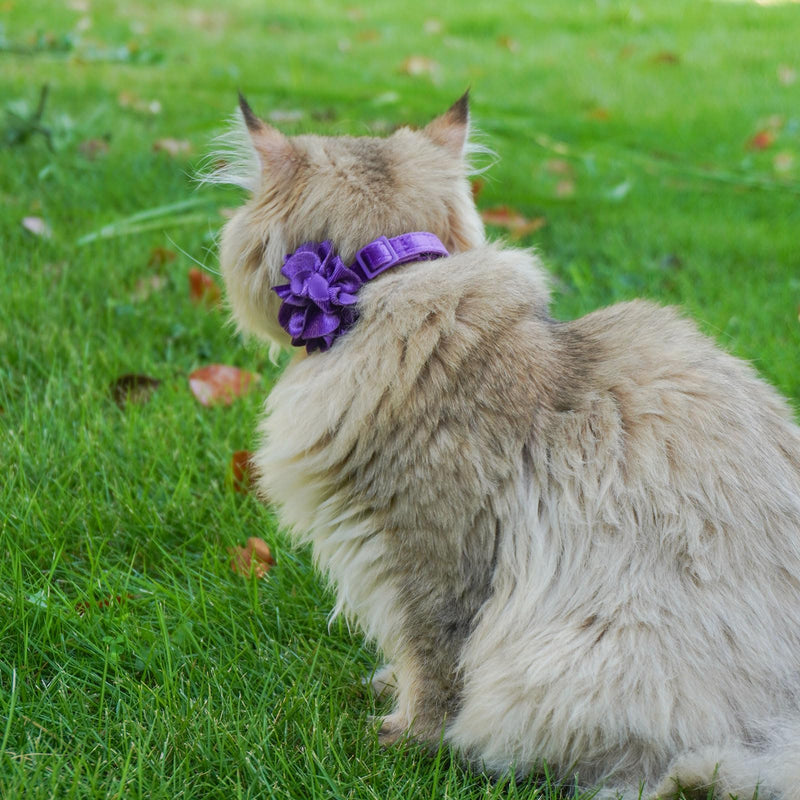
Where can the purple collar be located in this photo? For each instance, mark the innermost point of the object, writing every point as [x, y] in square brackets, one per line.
[319, 302]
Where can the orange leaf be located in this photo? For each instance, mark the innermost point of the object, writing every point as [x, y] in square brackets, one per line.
[254, 558]
[761, 141]
[160, 256]
[477, 187]
[242, 471]
[512, 221]
[220, 384]
[202, 288]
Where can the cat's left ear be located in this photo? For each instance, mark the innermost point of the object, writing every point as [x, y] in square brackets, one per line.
[275, 151]
[451, 129]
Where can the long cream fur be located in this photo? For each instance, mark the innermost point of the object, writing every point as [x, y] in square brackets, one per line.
[577, 543]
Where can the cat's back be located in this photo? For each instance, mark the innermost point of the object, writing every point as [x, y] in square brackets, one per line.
[688, 415]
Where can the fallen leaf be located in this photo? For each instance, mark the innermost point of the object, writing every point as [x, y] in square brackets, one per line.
[37, 226]
[666, 57]
[173, 147]
[254, 558]
[131, 100]
[419, 65]
[565, 188]
[220, 384]
[160, 256]
[242, 471]
[368, 35]
[559, 166]
[93, 148]
[133, 388]
[517, 224]
[203, 289]
[512, 45]
[82, 607]
[477, 187]
[783, 162]
[148, 285]
[761, 141]
[600, 114]
[786, 75]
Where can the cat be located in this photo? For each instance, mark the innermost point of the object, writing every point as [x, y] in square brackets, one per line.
[577, 543]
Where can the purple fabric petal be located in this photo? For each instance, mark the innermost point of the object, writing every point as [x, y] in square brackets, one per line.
[318, 289]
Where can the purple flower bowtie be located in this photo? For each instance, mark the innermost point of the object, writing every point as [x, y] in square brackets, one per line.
[319, 302]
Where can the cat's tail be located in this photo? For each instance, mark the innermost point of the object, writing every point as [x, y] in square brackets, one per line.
[768, 771]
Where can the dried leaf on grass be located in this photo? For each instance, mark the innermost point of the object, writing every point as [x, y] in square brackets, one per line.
[762, 140]
[514, 222]
[160, 256]
[148, 285]
[202, 288]
[419, 65]
[133, 388]
[254, 558]
[117, 600]
[93, 148]
[173, 147]
[219, 384]
[38, 227]
[242, 471]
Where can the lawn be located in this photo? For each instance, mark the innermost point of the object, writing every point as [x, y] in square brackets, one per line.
[652, 147]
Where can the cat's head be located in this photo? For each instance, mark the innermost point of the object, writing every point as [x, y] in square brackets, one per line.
[345, 189]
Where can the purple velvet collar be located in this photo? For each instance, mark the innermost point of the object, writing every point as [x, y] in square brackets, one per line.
[319, 302]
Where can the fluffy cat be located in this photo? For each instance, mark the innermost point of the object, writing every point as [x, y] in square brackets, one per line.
[577, 542]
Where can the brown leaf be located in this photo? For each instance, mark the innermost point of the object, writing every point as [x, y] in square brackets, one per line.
[368, 35]
[148, 285]
[242, 471]
[511, 220]
[38, 227]
[786, 75]
[254, 558]
[82, 607]
[132, 388]
[477, 187]
[762, 140]
[93, 148]
[506, 42]
[559, 166]
[203, 289]
[666, 57]
[783, 162]
[565, 188]
[419, 65]
[160, 256]
[220, 384]
[174, 147]
[599, 113]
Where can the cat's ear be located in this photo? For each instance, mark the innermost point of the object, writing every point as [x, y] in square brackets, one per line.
[451, 129]
[274, 150]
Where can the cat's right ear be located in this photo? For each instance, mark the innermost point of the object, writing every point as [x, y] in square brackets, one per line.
[274, 150]
[452, 128]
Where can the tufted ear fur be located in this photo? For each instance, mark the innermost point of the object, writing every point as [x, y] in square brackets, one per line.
[274, 150]
[451, 129]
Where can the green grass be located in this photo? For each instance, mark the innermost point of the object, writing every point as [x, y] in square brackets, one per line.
[197, 683]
